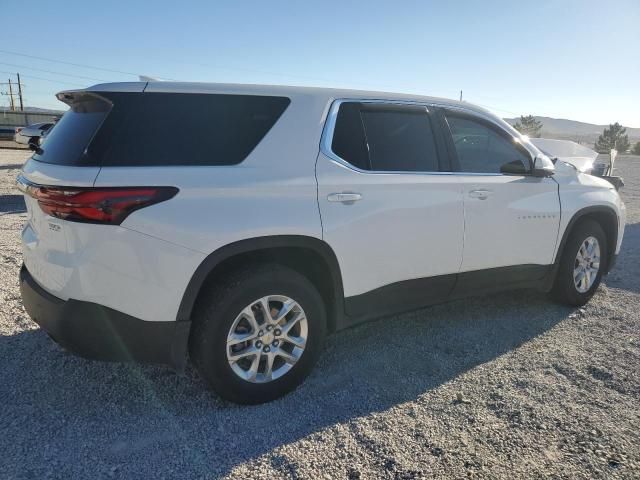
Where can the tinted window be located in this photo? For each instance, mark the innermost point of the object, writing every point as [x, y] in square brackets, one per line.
[184, 129]
[142, 129]
[66, 143]
[348, 141]
[480, 148]
[385, 138]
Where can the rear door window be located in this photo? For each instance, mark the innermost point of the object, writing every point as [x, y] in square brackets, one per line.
[385, 137]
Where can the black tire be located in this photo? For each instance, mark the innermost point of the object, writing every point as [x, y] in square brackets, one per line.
[218, 306]
[564, 289]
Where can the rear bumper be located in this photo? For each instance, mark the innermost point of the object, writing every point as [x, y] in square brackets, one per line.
[97, 332]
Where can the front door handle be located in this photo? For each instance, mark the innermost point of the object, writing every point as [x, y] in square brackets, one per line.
[480, 194]
[344, 197]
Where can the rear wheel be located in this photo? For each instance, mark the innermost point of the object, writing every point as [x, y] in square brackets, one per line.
[257, 335]
[582, 264]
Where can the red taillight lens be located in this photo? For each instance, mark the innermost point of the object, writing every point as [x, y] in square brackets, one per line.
[95, 205]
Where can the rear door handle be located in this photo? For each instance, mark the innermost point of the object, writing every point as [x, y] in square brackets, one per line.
[480, 194]
[344, 197]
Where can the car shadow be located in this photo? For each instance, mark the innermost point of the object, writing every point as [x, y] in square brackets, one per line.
[625, 273]
[104, 416]
[11, 166]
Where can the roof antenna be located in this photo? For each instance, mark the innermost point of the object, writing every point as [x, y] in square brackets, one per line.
[460, 95]
[144, 78]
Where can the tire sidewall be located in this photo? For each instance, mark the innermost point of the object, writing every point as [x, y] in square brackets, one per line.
[566, 286]
[212, 356]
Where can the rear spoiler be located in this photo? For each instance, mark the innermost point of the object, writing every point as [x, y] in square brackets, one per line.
[67, 96]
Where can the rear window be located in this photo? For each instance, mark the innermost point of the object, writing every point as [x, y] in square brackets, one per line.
[147, 129]
[66, 143]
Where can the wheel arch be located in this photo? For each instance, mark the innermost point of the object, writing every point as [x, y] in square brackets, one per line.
[310, 256]
[608, 220]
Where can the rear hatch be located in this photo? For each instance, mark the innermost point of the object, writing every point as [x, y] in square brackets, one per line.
[63, 161]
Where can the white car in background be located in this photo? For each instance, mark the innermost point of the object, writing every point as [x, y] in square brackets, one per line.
[293, 212]
[34, 132]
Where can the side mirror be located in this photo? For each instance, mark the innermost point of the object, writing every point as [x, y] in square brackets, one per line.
[543, 166]
[515, 168]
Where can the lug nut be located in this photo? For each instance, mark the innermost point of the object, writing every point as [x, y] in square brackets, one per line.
[275, 343]
[260, 333]
[269, 328]
[258, 344]
[266, 349]
[278, 332]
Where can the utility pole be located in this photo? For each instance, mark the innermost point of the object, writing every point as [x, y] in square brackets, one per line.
[20, 92]
[13, 107]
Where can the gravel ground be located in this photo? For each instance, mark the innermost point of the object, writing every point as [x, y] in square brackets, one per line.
[506, 386]
[11, 145]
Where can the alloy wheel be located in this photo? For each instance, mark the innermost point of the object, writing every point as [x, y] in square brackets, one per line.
[267, 339]
[586, 265]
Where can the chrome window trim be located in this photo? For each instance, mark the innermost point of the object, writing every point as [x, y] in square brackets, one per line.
[330, 125]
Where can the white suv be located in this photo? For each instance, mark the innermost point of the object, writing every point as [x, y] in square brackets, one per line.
[238, 224]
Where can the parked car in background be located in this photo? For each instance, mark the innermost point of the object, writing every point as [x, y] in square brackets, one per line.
[296, 212]
[32, 133]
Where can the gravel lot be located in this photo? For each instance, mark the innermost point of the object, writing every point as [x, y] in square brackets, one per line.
[503, 386]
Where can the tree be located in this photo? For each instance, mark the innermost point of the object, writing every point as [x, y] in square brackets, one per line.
[636, 149]
[614, 137]
[529, 126]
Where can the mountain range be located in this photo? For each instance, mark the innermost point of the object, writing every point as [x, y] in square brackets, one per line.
[581, 132]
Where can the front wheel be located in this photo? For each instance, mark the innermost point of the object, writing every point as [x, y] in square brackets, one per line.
[582, 264]
[257, 334]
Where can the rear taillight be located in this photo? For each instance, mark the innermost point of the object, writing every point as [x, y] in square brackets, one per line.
[109, 205]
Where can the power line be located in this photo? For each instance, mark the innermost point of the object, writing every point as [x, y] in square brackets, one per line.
[75, 64]
[67, 63]
[47, 79]
[53, 72]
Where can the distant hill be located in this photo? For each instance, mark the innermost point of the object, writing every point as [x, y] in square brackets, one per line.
[581, 132]
[36, 110]
[42, 110]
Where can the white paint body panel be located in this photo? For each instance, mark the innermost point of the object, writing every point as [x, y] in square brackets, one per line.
[580, 190]
[405, 226]
[128, 271]
[515, 224]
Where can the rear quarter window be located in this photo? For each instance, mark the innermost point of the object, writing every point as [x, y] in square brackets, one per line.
[156, 129]
[66, 143]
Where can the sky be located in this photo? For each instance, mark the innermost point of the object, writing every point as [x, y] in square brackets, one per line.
[574, 59]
